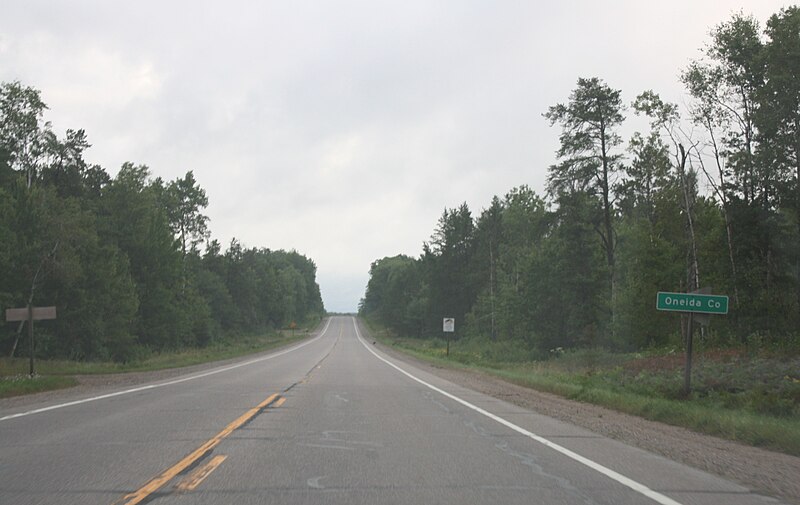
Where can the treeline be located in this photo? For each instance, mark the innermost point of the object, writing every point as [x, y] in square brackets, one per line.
[709, 196]
[120, 256]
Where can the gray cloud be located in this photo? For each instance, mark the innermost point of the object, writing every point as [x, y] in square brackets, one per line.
[341, 129]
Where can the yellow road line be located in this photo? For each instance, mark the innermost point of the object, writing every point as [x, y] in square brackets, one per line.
[195, 478]
[155, 484]
[270, 399]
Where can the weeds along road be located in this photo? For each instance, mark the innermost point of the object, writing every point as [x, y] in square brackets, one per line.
[329, 420]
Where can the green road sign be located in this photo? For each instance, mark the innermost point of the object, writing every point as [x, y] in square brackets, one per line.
[692, 302]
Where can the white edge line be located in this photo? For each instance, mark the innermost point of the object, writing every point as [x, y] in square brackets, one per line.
[611, 474]
[169, 383]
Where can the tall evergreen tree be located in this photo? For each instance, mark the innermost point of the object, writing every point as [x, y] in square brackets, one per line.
[446, 261]
[588, 140]
[589, 163]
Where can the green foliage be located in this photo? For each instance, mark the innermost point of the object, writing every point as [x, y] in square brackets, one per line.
[393, 288]
[653, 263]
[582, 268]
[588, 163]
[120, 258]
[446, 261]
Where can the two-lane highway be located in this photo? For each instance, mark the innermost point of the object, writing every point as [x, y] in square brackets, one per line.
[331, 420]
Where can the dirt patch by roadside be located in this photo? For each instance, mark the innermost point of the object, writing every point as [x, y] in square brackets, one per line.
[770, 473]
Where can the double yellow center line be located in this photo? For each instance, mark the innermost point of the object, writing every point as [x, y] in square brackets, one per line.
[273, 401]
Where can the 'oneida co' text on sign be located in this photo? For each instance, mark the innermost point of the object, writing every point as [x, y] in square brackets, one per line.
[692, 302]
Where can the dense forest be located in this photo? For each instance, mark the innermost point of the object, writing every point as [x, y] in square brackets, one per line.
[120, 257]
[708, 196]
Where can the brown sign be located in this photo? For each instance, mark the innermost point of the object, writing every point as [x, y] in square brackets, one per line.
[39, 313]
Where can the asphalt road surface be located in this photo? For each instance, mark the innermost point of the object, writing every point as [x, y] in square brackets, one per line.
[330, 420]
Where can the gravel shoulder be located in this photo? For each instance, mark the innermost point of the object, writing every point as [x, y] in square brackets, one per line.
[766, 472]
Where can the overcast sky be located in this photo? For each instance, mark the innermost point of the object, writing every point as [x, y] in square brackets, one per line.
[342, 129]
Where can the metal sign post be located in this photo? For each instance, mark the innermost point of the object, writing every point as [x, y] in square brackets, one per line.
[687, 370]
[30, 314]
[448, 327]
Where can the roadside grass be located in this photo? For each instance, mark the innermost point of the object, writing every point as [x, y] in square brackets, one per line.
[747, 395]
[57, 374]
[17, 385]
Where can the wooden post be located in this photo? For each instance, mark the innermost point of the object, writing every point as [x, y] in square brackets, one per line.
[29, 314]
[30, 335]
[687, 373]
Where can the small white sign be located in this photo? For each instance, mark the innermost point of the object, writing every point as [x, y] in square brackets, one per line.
[448, 325]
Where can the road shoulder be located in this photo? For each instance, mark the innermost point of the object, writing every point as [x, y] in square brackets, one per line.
[99, 384]
[771, 473]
